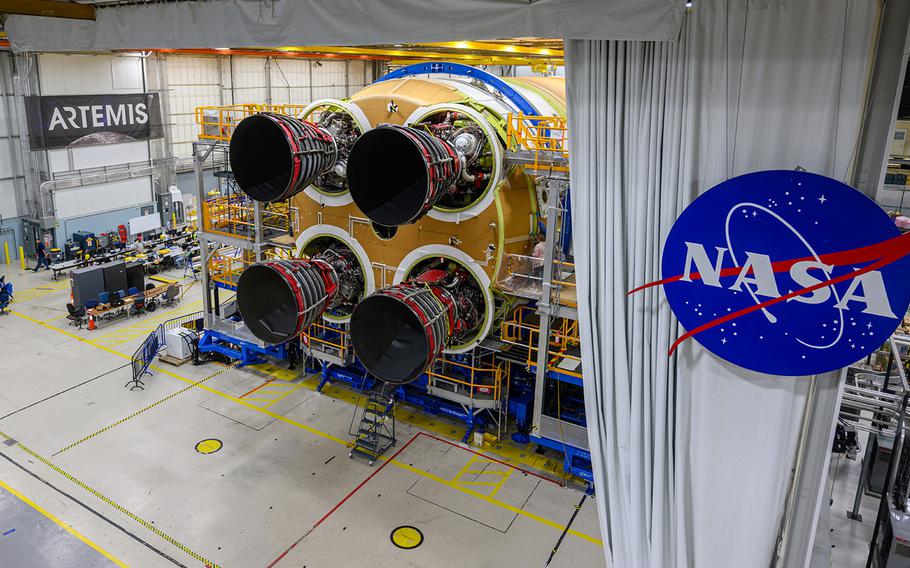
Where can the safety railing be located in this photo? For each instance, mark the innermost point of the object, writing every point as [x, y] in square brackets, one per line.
[218, 122]
[522, 275]
[544, 140]
[227, 264]
[144, 356]
[563, 353]
[234, 215]
[332, 339]
[478, 377]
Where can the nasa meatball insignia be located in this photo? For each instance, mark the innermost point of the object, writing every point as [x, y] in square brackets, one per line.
[786, 272]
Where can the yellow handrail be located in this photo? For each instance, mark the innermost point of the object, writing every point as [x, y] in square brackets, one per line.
[563, 336]
[546, 140]
[310, 335]
[217, 122]
[496, 371]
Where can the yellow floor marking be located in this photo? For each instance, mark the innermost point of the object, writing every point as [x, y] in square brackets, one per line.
[151, 527]
[327, 436]
[68, 528]
[509, 452]
[141, 410]
[492, 501]
[146, 324]
[495, 485]
[285, 395]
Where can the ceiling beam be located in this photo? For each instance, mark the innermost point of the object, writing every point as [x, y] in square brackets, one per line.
[49, 8]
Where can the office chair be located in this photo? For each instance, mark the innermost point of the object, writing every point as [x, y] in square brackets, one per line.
[138, 306]
[171, 295]
[76, 315]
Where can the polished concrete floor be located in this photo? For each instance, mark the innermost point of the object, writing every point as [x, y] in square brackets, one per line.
[848, 539]
[103, 475]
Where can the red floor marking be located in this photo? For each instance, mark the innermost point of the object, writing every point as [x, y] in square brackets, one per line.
[256, 389]
[387, 462]
[340, 503]
[492, 459]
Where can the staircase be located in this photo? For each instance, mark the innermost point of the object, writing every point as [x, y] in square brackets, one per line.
[376, 432]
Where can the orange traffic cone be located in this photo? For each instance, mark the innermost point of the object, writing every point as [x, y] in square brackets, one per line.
[91, 323]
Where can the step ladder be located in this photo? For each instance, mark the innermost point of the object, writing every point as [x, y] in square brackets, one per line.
[376, 432]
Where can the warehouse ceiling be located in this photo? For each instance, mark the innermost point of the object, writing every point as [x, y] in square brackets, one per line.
[519, 51]
[140, 25]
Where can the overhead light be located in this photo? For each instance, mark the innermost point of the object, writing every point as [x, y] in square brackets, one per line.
[399, 45]
[223, 48]
[462, 45]
[510, 48]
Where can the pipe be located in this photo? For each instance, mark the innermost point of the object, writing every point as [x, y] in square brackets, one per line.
[275, 157]
[396, 174]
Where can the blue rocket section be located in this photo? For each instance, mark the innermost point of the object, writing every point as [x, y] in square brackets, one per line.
[516, 98]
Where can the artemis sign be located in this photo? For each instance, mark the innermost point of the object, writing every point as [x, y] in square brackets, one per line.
[78, 120]
[786, 272]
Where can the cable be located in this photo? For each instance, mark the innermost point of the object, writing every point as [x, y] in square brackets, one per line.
[565, 531]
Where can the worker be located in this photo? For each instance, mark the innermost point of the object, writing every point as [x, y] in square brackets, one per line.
[537, 260]
[42, 257]
[138, 245]
[293, 353]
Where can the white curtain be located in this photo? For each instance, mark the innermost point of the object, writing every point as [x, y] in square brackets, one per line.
[692, 455]
[232, 23]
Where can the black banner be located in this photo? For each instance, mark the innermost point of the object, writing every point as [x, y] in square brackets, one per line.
[84, 120]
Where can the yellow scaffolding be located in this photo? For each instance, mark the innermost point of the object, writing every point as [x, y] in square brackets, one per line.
[234, 215]
[546, 141]
[218, 122]
[523, 329]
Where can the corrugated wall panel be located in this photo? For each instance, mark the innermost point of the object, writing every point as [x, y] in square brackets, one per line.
[102, 197]
[192, 82]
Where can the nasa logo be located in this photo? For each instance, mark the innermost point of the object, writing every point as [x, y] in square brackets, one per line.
[786, 272]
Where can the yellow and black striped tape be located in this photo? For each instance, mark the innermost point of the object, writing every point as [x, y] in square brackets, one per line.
[141, 410]
[115, 505]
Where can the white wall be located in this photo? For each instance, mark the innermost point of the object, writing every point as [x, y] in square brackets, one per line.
[61, 74]
[11, 176]
[195, 81]
[191, 82]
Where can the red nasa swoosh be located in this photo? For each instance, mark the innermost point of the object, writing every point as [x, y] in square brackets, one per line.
[883, 254]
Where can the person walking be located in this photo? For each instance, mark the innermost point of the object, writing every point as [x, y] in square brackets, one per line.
[42, 257]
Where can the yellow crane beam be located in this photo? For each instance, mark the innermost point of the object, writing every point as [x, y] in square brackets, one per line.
[49, 8]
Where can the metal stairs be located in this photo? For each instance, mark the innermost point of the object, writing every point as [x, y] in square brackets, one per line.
[376, 432]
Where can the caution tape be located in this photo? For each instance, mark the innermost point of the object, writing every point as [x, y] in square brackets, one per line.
[141, 410]
[176, 543]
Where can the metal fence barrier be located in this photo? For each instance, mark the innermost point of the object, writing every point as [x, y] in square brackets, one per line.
[152, 345]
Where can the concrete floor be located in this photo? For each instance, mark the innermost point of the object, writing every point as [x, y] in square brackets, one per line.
[847, 542]
[120, 468]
